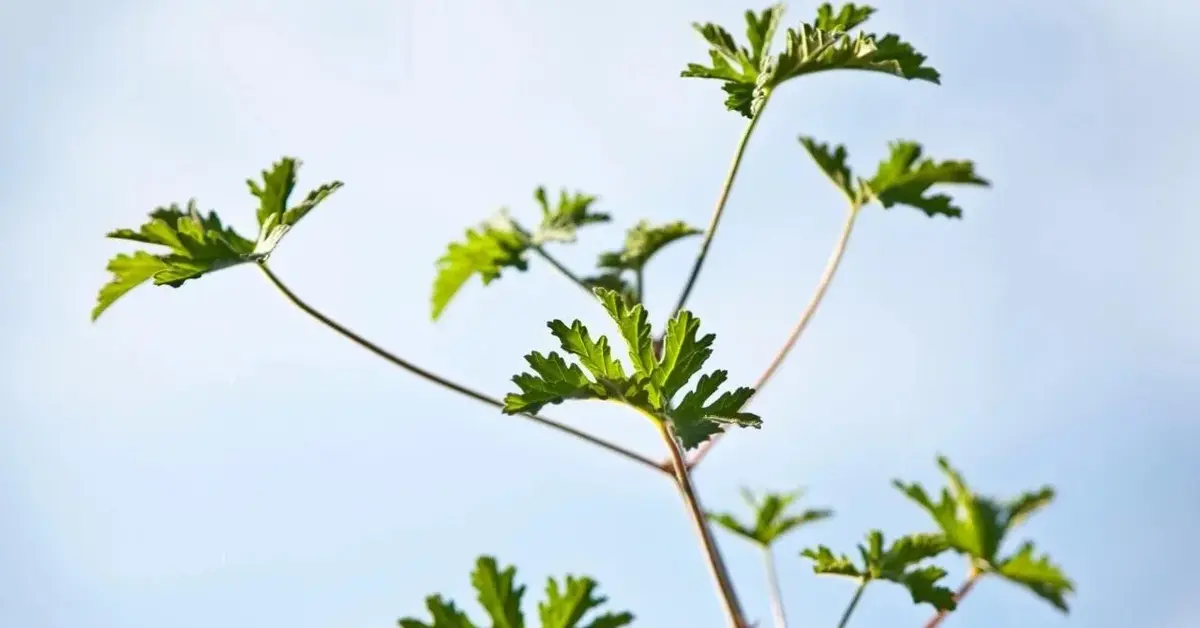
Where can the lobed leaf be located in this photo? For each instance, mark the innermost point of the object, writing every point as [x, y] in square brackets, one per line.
[197, 245]
[748, 74]
[771, 518]
[561, 222]
[642, 242]
[568, 603]
[652, 383]
[904, 178]
[498, 594]
[1036, 573]
[485, 253]
[444, 613]
[274, 216]
[898, 563]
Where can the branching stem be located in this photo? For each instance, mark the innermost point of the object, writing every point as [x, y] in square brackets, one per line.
[831, 268]
[716, 564]
[718, 210]
[443, 382]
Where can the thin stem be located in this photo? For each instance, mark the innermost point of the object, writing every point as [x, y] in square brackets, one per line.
[718, 210]
[639, 284]
[968, 584]
[773, 589]
[541, 252]
[862, 586]
[716, 565]
[443, 382]
[831, 268]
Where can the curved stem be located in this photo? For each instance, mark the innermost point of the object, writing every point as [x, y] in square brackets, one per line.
[542, 253]
[441, 381]
[862, 586]
[831, 268]
[715, 220]
[716, 564]
[773, 588]
[967, 585]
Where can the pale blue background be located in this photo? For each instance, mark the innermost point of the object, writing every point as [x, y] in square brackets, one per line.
[1049, 337]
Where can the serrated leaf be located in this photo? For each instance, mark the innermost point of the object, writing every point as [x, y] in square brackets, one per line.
[642, 242]
[899, 563]
[771, 518]
[553, 381]
[976, 526]
[696, 421]
[274, 216]
[444, 614]
[197, 244]
[738, 67]
[1039, 575]
[809, 49]
[561, 222]
[498, 594]
[749, 74]
[567, 604]
[653, 381]
[904, 178]
[485, 253]
[833, 163]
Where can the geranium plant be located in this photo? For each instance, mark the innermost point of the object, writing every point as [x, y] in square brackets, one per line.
[666, 376]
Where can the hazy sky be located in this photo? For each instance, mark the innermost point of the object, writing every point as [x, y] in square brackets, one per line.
[211, 457]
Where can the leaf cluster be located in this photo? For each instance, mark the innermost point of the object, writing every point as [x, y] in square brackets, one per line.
[771, 521]
[652, 383]
[749, 72]
[568, 603]
[198, 244]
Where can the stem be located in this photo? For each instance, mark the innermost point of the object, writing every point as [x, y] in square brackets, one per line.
[862, 586]
[715, 220]
[963, 590]
[541, 251]
[831, 268]
[716, 565]
[639, 283]
[773, 589]
[443, 382]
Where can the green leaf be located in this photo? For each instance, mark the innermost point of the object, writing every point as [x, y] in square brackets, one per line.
[560, 222]
[739, 67]
[976, 526]
[444, 613]
[1039, 575]
[642, 242]
[485, 252]
[904, 179]
[771, 519]
[196, 244]
[275, 218]
[498, 595]
[652, 383]
[899, 563]
[567, 604]
[833, 164]
[748, 75]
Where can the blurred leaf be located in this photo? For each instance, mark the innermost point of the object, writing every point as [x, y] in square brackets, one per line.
[566, 605]
[976, 526]
[275, 218]
[485, 252]
[561, 222]
[771, 518]
[898, 563]
[642, 242]
[904, 179]
[833, 164]
[567, 602]
[613, 281]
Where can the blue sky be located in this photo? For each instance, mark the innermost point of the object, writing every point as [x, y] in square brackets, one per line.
[210, 456]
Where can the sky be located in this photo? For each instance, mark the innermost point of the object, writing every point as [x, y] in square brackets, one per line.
[211, 456]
